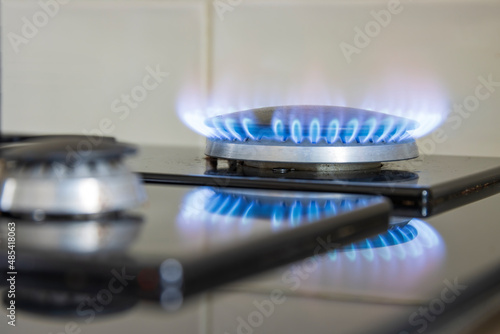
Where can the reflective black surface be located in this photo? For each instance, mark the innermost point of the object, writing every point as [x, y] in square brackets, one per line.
[371, 286]
[186, 240]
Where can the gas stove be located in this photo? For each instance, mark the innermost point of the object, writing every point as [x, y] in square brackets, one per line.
[271, 221]
[324, 148]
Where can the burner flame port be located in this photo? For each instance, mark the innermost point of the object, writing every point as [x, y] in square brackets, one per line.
[311, 138]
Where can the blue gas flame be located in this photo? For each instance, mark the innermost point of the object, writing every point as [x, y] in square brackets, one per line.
[339, 127]
[408, 87]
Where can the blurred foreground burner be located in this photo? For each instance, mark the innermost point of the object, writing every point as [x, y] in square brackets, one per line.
[312, 138]
[67, 177]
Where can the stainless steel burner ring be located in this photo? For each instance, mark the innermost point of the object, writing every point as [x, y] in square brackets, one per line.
[312, 154]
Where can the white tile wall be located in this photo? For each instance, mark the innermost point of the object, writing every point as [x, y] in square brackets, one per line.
[253, 52]
[72, 74]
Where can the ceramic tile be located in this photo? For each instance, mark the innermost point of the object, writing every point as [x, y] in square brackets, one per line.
[113, 67]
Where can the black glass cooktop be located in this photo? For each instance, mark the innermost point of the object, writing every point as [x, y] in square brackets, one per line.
[185, 239]
[96, 277]
[419, 187]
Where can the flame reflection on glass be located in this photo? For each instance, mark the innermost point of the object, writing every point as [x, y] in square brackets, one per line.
[396, 264]
[391, 264]
[401, 241]
[225, 213]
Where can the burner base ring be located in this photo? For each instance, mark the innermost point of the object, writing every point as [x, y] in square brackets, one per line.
[312, 154]
[284, 167]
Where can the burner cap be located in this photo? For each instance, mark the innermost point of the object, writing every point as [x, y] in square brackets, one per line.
[68, 176]
[295, 135]
[65, 149]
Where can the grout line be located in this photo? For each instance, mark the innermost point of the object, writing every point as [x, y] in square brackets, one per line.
[206, 59]
[208, 52]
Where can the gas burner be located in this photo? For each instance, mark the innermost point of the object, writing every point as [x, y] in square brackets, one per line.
[314, 138]
[56, 178]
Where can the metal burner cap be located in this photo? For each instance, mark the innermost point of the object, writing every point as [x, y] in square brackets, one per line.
[70, 177]
[311, 135]
[69, 149]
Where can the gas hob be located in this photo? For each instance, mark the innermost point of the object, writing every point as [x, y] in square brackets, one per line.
[230, 247]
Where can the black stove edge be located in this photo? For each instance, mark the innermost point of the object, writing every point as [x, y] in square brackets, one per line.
[416, 202]
[473, 193]
[478, 299]
[406, 202]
